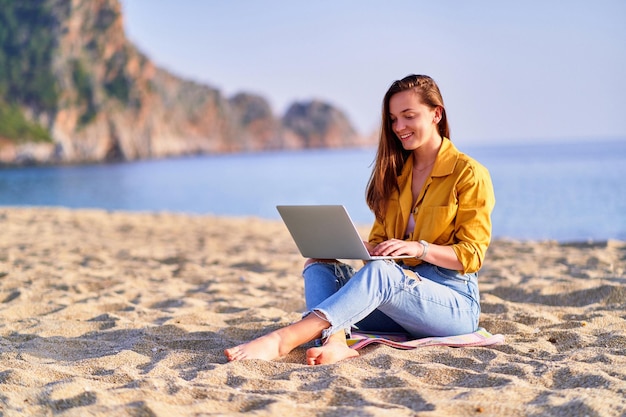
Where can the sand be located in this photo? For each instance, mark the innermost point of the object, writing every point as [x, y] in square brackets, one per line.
[127, 314]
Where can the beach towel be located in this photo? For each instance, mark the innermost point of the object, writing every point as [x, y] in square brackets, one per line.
[481, 337]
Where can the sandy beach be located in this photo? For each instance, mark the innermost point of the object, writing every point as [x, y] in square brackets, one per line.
[128, 314]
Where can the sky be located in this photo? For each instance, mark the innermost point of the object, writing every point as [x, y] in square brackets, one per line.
[516, 72]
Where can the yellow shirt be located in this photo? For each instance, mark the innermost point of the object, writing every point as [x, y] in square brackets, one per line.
[453, 208]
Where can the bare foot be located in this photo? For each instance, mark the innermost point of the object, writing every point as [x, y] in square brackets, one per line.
[330, 352]
[280, 342]
[265, 347]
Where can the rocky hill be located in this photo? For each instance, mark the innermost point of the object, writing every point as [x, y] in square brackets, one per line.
[73, 89]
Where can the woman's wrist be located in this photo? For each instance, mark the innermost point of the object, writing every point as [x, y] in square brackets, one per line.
[425, 247]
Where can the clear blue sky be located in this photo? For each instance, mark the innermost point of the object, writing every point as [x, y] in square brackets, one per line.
[509, 71]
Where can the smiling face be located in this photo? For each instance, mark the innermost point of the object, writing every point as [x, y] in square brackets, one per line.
[413, 122]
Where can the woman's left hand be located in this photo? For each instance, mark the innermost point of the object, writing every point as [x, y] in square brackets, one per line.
[397, 247]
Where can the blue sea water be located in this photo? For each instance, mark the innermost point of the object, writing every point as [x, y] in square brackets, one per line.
[565, 192]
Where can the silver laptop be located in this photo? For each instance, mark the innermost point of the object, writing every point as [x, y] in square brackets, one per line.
[326, 232]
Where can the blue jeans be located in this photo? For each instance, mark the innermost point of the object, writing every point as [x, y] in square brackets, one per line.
[384, 296]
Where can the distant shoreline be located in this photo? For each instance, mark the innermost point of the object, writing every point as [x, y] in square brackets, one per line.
[467, 145]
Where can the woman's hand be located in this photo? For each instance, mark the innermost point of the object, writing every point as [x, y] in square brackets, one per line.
[396, 247]
[443, 256]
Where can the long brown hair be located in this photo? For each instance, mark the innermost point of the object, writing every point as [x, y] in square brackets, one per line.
[391, 156]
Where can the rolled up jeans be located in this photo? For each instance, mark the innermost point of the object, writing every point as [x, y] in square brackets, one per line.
[384, 296]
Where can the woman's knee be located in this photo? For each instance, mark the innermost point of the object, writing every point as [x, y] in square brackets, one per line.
[379, 267]
[311, 261]
[327, 269]
[319, 268]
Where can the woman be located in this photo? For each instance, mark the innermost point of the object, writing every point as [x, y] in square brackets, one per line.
[430, 202]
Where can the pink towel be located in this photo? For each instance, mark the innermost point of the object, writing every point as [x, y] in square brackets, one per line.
[481, 337]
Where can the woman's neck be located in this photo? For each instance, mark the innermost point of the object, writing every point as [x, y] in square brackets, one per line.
[425, 155]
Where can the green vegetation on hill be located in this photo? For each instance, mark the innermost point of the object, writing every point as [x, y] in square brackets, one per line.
[118, 88]
[26, 48]
[26, 78]
[13, 125]
[83, 83]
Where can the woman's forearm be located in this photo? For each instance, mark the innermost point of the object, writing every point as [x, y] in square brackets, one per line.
[443, 256]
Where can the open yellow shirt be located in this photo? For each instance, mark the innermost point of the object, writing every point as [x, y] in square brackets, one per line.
[453, 208]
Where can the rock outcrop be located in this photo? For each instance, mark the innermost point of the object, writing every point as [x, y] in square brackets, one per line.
[106, 101]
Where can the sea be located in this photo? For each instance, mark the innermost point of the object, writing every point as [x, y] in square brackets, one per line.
[568, 192]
